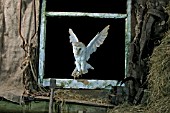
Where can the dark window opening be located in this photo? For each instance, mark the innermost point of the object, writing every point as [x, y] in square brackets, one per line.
[107, 6]
[109, 59]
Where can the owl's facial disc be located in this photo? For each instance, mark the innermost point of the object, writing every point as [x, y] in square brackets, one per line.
[77, 47]
[77, 50]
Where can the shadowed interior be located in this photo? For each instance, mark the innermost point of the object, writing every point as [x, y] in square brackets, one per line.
[107, 6]
[108, 60]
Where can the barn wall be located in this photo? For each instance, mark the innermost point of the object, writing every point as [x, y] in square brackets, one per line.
[14, 60]
[149, 23]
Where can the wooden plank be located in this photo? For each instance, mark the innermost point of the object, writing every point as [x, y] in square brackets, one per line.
[78, 101]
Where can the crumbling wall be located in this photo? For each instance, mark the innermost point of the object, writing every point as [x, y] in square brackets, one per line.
[16, 53]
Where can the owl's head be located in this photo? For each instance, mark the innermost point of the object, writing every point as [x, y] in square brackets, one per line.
[78, 48]
[78, 44]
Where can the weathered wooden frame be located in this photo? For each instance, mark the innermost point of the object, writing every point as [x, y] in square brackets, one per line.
[72, 83]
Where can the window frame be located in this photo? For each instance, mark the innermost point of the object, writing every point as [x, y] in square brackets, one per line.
[73, 83]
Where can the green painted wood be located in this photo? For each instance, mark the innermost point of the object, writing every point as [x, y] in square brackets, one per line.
[29, 107]
[43, 107]
[79, 108]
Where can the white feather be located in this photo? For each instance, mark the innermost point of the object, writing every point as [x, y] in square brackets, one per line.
[82, 53]
[96, 42]
[73, 37]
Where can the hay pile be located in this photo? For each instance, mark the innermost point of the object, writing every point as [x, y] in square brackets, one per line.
[159, 82]
[159, 77]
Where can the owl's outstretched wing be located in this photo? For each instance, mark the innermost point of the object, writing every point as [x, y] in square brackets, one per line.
[96, 42]
[73, 37]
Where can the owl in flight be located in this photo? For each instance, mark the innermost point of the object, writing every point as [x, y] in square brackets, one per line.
[82, 53]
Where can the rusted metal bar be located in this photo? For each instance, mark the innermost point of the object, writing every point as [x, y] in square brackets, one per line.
[51, 101]
[52, 87]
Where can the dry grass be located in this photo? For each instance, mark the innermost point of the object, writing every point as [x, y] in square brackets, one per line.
[79, 96]
[126, 108]
[159, 77]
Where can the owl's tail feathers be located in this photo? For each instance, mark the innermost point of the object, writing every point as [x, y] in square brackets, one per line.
[88, 66]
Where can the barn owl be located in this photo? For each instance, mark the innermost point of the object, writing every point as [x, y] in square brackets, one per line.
[82, 53]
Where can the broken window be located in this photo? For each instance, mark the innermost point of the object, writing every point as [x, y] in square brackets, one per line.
[86, 18]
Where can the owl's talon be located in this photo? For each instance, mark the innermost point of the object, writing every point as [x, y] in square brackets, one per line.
[76, 74]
